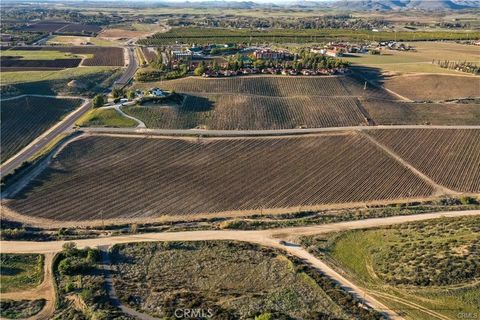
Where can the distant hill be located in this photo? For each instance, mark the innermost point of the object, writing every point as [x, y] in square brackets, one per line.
[405, 4]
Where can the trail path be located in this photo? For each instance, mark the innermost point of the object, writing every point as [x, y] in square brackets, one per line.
[118, 108]
[270, 237]
[45, 290]
[106, 265]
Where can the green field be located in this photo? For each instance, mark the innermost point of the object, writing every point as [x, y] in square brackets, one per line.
[42, 54]
[105, 118]
[219, 35]
[87, 81]
[20, 271]
[421, 269]
[419, 60]
[33, 76]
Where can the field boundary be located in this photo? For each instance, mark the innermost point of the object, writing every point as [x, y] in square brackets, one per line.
[440, 190]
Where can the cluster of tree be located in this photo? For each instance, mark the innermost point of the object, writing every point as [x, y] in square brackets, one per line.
[148, 75]
[328, 22]
[310, 60]
[75, 261]
[464, 66]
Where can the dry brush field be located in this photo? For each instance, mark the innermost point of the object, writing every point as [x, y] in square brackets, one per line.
[451, 157]
[119, 177]
[244, 112]
[25, 118]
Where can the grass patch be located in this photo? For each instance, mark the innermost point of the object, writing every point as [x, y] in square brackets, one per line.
[20, 271]
[432, 263]
[32, 76]
[88, 81]
[105, 118]
[42, 54]
[11, 309]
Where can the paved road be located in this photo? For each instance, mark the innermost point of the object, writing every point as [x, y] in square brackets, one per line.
[269, 237]
[130, 71]
[44, 139]
[239, 133]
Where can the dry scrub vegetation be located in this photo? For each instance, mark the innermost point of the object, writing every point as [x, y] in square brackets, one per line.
[231, 279]
[117, 177]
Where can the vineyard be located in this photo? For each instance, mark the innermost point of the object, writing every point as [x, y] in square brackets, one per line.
[62, 27]
[276, 86]
[451, 157]
[391, 112]
[219, 35]
[102, 56]
[25, 65]
[118, 177]
[434, 87]
[25, 118]
[149, 54]
[244, 112]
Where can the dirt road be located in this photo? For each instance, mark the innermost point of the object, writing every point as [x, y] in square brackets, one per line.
[45, 290]
[244, 133]
[269, 238]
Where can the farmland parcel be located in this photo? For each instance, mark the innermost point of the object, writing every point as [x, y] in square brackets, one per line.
[118, 177]
[26, 117]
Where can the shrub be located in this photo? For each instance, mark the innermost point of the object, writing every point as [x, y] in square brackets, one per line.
[98, 101]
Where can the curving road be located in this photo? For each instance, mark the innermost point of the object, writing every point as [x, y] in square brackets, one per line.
[270, 237]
